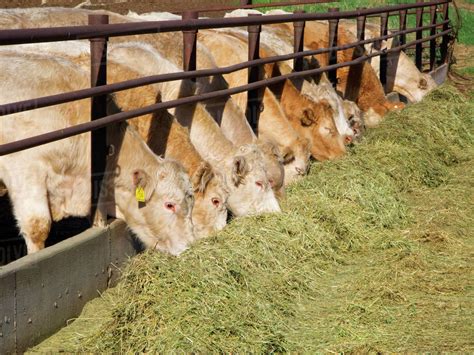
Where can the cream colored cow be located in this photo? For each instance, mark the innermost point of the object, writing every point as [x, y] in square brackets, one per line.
[55, 178]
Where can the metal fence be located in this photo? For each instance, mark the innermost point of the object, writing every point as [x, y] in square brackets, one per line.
[98, 31]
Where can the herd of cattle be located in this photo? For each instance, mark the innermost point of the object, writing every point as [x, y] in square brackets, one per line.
[176, 173]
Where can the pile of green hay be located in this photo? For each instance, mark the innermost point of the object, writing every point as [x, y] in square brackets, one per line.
[371, 253]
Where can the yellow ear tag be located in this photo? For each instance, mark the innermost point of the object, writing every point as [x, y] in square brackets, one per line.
[140, 194]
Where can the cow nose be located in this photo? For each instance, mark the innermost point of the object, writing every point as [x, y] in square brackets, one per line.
[300, 171]
[348, 139]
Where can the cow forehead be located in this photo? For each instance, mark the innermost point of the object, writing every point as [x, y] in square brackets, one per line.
[171, 178]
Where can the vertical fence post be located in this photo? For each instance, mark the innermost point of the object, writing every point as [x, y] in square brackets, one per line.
[383, 57]
[298, 41]
[433, 41]
[445, 42]
[254, 74]
[403, 27]
[189, 43]
[361, 20]
[98, 48]
[419, 35]
[333, 29]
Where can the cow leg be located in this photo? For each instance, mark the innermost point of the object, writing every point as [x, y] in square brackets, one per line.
[30, 204]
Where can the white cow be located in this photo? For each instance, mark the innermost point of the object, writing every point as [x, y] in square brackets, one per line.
[52, 181]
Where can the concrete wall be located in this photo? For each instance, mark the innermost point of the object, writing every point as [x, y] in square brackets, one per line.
[41, 292]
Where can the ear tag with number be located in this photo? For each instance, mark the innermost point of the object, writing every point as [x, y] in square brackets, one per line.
[140, 194]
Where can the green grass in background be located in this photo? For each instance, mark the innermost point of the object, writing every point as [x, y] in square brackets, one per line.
[466, 34]
[371, 253]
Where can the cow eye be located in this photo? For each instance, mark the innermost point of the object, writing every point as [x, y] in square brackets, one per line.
[216, 202]
[259, 184]
[170, 206]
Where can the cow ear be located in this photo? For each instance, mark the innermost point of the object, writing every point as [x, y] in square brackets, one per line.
[143, 185]
[201, 177]
[288, 155]
[239, 170]
[308, 118]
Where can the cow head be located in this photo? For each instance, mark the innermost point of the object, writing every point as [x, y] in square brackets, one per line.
[210, 193]
[315, 122]
[273, 162]
[250, 189]
[355, 118]
[156, 199]
[296, 159]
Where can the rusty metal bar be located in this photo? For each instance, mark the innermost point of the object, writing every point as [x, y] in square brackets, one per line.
[403, 26]
[254, 75]
[419, 35]
[98, 48]
[26, 105]
[383, 56]
[122, 116]
[298, 41]
[445, 41]
[333, 29]
[55, 34]
[189, 43]
[361, 21]
[433, 42]
[244, 4]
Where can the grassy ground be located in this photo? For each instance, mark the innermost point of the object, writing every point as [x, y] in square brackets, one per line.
[372, 252]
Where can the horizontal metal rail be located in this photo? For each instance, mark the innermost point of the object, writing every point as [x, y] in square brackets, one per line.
[257, 6]
[55, 34]
[26, 105]
[122, 116]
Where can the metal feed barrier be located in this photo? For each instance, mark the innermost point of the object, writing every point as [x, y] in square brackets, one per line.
[26, 331]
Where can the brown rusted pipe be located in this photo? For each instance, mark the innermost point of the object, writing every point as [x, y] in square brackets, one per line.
[254, 75]
[419, 35]
[403, 26]
[189, 43]
[361, 20]
[122, 116]
[98, 48]
[26, 105]
[298, 41]
[383, 56]
[244, 5]
[445, 41]
[432, 42]
[333, 29]
[54, 34]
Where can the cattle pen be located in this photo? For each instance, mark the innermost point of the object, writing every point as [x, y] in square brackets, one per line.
[71, 273]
